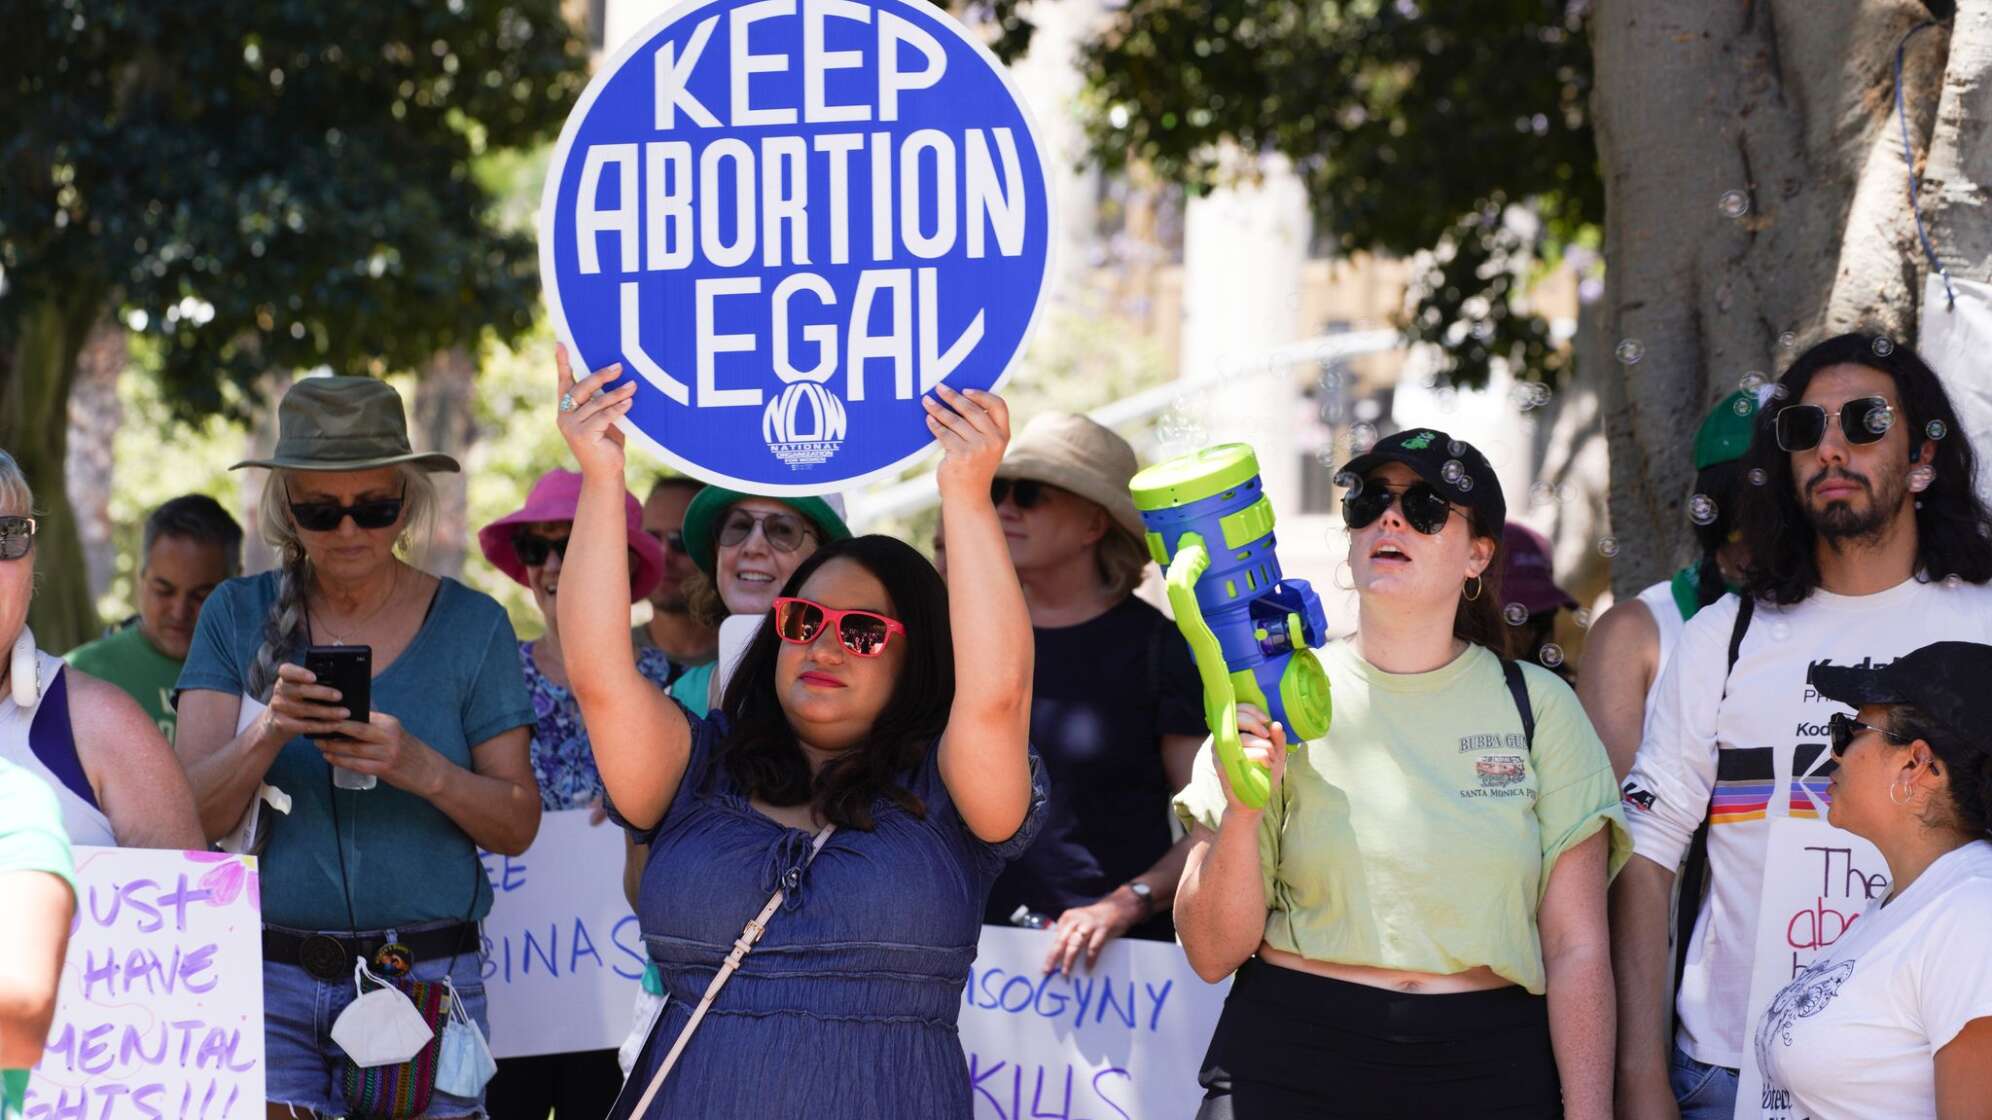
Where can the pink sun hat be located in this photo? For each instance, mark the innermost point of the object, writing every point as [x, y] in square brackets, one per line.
[553, 498]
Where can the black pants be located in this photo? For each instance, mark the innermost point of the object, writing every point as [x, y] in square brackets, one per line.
[571, 1086]
[1294, 1046]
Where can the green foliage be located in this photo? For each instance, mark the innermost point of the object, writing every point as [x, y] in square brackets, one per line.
[290, 191]
[1416, 126]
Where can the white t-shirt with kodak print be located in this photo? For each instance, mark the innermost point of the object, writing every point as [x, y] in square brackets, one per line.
[1856, 1034]
[1754, 753]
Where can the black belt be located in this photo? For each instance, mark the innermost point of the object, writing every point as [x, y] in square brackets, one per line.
[330, 957]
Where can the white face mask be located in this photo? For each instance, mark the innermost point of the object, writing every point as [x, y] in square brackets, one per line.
[465, 1063]
[381, 1027]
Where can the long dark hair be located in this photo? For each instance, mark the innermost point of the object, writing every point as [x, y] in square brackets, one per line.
[1952, 524]
[1720, 482]
[1479, 620]
[761, 755]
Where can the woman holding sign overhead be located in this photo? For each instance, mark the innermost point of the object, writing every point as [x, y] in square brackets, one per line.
[846, 802]
[1416, 915]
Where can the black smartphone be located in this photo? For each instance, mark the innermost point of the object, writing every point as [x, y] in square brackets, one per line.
[348, 669]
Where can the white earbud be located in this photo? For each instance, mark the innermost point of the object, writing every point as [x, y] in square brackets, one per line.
[25, 670]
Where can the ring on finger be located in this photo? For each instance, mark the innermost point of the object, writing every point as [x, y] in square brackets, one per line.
[567, 402]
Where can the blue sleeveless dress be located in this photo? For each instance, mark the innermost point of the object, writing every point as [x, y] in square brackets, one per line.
[847, 1006]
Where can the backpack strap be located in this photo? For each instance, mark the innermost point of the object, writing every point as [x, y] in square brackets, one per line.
[1519, 689]
[1694, 872]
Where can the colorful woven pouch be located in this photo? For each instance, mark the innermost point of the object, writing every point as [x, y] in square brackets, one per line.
[401, 1092]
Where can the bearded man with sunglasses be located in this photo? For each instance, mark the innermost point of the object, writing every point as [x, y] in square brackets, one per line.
[1866, 540]
[1116, 708]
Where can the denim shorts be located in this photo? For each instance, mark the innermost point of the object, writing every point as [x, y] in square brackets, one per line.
[302, 1063]
[1703, 1091]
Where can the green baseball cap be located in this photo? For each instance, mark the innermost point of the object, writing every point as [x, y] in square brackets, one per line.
[1725, 435]
[710, 504]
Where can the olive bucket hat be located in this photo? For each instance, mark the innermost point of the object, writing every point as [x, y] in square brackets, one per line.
[344, 424]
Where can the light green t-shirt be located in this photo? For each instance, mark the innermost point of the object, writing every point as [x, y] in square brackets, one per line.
[127, 660]
[31, 839]
[1419, 833]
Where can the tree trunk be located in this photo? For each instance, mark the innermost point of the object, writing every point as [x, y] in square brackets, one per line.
[1955, 187]
[1755, 188]
[446, 421]
[88, 475]
[34, 428]
[258, 443]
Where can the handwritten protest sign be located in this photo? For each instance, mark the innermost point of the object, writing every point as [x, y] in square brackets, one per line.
[562, 955]
[789, 219]
[1817, 881]
[1122, 1042]
[161, 1006]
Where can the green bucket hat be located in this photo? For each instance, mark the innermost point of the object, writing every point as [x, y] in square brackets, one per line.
[344, 424]
[710, 504]
[1725, 434]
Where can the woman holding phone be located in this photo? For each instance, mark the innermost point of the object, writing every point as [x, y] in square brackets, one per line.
[844, 769]
[377, 856]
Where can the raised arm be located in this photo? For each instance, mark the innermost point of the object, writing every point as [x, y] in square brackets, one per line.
[984, 753]
[640, 738]
[1221, 903]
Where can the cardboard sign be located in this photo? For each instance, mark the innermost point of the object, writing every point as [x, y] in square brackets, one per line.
[1122, 1042]
[1817, 881]
[161, 1006]
[562, 954]
[788, 220]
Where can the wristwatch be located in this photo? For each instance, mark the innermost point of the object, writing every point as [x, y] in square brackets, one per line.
[1145, 893]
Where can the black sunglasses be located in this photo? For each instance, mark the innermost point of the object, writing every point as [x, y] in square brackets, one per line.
[1423, 507]
[784, 531]
[17, 536]
[533, 548]
[323, 517]
[1841, 729]
[1028, 493]
[1863, 420]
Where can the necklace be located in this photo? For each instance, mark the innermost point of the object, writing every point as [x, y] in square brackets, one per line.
[394, 584]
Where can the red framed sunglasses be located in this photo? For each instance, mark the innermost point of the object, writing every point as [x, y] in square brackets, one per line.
[864, 633]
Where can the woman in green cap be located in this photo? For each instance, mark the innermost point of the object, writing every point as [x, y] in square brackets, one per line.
[376, 856]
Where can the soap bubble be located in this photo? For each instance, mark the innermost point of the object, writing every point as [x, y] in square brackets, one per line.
[1884, 346]
[1880, 420]
[1608, 547]
[1515, 613]
[1744, 406]
[1935, 429]
[1542, 494]
[1953, 581]
[1465, 483]
[1582, 618]
[1758, 476]
[1455, 449]
[1453, 471]
[1753, 382]
[1630, 351]
[1362, 437]
[1787, 340]
[1733, 204]
[1550, 654]
[1702, 510]
[1350, 482]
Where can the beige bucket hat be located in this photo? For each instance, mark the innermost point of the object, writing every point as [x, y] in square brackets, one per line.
[1075, 453]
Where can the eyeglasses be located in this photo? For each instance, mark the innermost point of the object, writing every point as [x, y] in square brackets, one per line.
[864, 633]
[324, 517]
[672, 540]
[1841, 729]
[1863, 420]
[1028, 493]
[533, 548]
[782, 530]
[17, 537]
[1423, 507]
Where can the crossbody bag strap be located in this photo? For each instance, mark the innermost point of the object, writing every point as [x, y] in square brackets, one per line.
[742, 945]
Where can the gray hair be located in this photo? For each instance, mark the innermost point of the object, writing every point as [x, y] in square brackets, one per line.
[16, 496]
[283, 628]
[199, 518]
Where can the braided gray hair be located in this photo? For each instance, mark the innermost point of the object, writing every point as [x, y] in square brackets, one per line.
[284, 627]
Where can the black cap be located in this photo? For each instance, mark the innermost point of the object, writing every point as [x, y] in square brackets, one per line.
[1945, 680]
[1427, 451]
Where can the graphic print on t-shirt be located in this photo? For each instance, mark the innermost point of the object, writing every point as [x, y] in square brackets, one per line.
[1807, 995]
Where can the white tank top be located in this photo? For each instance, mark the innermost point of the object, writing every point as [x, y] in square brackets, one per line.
[1659, 600]
[40, 739]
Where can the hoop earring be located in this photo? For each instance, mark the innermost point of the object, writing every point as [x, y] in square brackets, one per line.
[1478, 586]
[1337, 578]
[1904, 786]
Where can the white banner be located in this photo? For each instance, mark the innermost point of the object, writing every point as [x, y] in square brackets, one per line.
[1122, 1042]
[1817, 881]
[161, 1007]
[562, 955]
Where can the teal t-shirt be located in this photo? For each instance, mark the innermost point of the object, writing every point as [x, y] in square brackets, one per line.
[457, 684]
[31, 839]
[692, 687]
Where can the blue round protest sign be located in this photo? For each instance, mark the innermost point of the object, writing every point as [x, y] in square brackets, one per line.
[789, 220]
